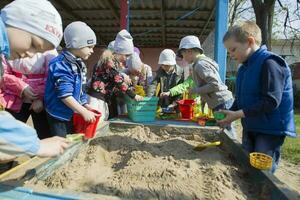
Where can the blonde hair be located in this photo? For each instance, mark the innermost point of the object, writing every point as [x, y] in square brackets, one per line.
[242, 31]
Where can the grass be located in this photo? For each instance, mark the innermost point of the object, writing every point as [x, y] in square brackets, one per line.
[291, 146]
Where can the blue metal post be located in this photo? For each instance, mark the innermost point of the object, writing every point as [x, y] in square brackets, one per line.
[220, 30]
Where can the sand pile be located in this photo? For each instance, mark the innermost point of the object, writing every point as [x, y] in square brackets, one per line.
[138, 164]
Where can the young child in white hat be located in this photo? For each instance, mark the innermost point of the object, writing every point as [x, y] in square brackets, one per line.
[205, 74]
[27, 27]
[168, 75]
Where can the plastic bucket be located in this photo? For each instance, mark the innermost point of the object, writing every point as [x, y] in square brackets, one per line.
[81, 126]
[186, 108]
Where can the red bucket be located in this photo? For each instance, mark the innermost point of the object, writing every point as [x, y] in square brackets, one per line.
[186, 108]
[81, 126]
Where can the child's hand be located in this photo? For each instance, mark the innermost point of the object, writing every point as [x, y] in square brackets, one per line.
[164, 94]
[37, 106]
[7, 158]
[29, 94]
[138, 98]
[53, 146]
[127, 79]
[88, 116]
[230, 117]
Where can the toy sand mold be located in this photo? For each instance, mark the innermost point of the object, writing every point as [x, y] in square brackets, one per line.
[146, 161]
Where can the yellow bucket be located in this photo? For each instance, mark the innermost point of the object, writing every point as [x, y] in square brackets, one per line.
[260, 161]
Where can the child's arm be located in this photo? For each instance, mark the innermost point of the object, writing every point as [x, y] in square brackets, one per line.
[88, 116]
[181, 88]
[209, 76]
[123, 87]
[152, 87]
[17, 138]
[10, 82]
[149, 76]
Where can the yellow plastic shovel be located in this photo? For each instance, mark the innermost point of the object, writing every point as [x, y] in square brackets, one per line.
[201, 147]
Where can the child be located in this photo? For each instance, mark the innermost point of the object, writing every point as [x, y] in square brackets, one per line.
[64, 94]
[23, 87]
[168, 75]
[111, 46]
[23, 34]
[123, 48]
[205, 74]
[139, 72]
[264, 95]
[107, 81]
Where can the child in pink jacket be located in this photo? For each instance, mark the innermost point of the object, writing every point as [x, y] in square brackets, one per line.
[23, 87]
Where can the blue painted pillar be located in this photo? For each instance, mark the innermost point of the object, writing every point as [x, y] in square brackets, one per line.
[220, 30]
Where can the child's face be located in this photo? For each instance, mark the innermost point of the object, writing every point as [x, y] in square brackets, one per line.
[85, 52]
[187, 55]
[167, 68]
[135, 72]
[237, 50]
[24, 44]
[121, 58]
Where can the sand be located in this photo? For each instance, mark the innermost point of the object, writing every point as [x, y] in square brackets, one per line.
[139, 164]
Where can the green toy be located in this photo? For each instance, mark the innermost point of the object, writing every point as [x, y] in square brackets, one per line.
[219, 115]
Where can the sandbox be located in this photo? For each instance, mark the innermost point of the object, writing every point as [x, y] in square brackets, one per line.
[135, 161]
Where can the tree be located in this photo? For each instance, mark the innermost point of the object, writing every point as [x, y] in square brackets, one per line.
[264, 12]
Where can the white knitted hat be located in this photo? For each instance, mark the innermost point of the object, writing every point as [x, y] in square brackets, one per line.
[37, 17]
[123, 43]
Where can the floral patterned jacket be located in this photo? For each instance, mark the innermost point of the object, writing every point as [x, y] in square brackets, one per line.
[107, 81]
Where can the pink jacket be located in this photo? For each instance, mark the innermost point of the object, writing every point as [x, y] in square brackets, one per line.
[20, 73]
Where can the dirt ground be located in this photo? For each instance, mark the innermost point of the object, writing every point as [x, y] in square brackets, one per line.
[138, 164]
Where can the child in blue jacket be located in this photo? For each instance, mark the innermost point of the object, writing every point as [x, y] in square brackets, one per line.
[264, 94]
[64, 88]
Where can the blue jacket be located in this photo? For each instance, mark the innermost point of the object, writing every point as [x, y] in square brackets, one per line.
[16, 138]
[64, 79]
[280, 121]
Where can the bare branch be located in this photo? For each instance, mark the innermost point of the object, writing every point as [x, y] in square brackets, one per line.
[243, 10]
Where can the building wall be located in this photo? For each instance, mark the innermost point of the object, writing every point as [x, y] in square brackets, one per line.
[290, 52]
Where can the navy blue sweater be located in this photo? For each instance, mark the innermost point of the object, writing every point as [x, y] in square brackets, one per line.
[272, 82]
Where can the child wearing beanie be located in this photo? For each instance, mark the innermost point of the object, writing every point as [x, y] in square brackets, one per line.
[107, 81]
[27, 27]
[64, 88]
[139, 72]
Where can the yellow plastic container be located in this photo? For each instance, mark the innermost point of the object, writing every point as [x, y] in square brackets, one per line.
[260, 161]
[139, 90]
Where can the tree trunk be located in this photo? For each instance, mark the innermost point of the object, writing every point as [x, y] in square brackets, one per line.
[264, 11]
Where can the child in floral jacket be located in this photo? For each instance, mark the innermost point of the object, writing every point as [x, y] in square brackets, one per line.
[107, 84]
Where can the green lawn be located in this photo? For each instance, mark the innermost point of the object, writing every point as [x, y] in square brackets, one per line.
[291, 146]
